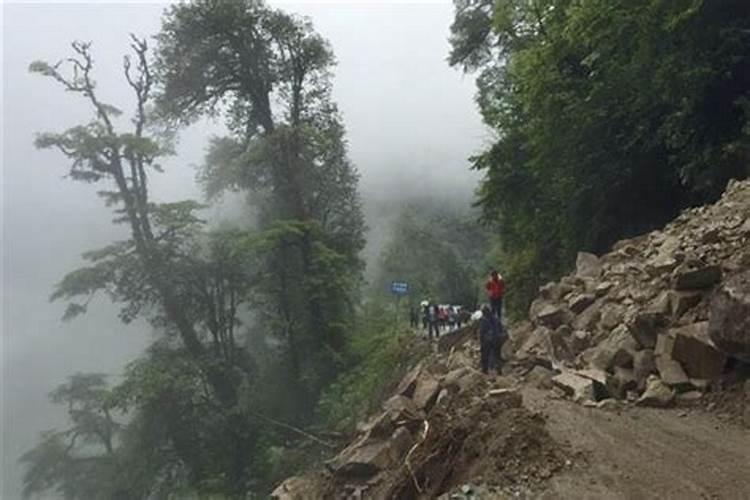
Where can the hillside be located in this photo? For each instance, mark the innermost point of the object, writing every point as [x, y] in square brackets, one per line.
[660, 321]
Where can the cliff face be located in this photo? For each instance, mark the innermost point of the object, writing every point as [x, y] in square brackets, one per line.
[661, 320]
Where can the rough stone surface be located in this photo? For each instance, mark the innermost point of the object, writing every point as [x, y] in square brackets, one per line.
[426, 391]
[681, 302]
[588, 265]
[657, 393]
[695, 276]
[644, 364]
[551, 316]
[579, 302]
[615, 350]
[541, 377]
[696, 352]
[729, 322]
[620, 382]
[646, 326]
[671, 372]
[575, 386]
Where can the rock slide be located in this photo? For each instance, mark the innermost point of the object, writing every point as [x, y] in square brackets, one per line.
[661, 321]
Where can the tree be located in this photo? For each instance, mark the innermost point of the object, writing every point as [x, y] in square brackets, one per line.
[80, 462]
[611, 117]
[190, 283]
[439, 251]
[268, 74]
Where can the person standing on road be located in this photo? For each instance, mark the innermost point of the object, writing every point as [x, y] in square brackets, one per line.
[413, 317]
[433, 320]
[489, 339]
[495, 287]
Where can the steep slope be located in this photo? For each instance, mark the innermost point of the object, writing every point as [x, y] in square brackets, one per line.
[656, 322]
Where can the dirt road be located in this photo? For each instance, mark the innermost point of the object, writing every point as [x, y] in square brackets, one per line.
[645, 453]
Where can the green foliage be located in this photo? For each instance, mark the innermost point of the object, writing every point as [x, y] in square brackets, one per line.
[379, 355]
[611, 117]
[439, 251]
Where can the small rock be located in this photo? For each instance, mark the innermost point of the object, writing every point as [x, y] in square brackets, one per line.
[608, 404]
[657, 394]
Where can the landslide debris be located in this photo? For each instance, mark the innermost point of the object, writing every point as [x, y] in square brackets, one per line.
[446, 425]
[662, 319]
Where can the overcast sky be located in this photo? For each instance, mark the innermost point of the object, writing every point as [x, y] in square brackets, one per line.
[411, 123]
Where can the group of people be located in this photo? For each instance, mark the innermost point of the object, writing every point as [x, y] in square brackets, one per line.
[438, 317]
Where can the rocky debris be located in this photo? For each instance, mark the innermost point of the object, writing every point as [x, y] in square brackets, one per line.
[581, 386]
[620, 382]
[644, 364]
[657, 393]
[300, 488]
[426, 391]
[362, 460]
[681, 302]
[646, 326]
[552, 316]
[540, 377]
[674, 303]
[579, 302]
[696, 352]
[588, 265]
[617, 349]
[729, 324]
[695, 275]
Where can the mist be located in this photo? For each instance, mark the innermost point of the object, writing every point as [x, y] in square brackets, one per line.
[411, 125]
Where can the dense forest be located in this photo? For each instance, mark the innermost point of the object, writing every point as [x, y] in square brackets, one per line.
[609, 117]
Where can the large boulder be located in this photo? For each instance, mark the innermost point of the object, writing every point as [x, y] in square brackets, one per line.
[694, 275]
[615, 350]
[578, 387]
[425, 391]
[696, 352]
[729, 320]
[365, 459]
[681, 302]
[645, 327]
[579, 302]
[552, 316]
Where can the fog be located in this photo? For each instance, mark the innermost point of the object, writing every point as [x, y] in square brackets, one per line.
[411, 124]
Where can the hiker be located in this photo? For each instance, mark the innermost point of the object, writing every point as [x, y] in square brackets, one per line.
[433, 320]
[451, 318]
[413, 317]
[443, 317]
[489, 339]
[495, 287]
[425, 314]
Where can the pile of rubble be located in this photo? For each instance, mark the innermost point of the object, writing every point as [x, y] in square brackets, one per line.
[663, 317]
[445, 424]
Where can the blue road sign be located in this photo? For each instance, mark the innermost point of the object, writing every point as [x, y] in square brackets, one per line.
[399, 287]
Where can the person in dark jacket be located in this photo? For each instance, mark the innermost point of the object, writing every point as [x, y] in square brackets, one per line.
[490, 339]
[434, 320]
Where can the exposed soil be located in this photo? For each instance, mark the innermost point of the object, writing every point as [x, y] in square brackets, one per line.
[645, 453]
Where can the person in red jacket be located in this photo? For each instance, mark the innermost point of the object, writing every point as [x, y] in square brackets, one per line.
[495, 287]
